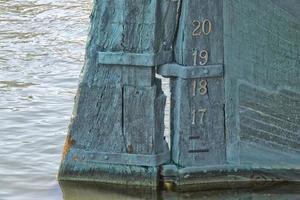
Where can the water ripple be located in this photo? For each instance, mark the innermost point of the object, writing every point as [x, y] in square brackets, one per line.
[41, 54]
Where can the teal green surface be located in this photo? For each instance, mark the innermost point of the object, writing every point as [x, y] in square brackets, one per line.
[261, 48]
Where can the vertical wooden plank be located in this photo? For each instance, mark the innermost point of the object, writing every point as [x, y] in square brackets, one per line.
[139, 119]
[97, 122]
[198, 104]
[143, 127]
[191, 37]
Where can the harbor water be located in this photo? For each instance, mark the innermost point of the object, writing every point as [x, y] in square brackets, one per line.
[42, 47]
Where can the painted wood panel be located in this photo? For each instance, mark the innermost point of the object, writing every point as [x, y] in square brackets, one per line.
[118, 106]
[198, 103]
[262, 81]
[143, 117]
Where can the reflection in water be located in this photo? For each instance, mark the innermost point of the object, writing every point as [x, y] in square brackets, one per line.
[16, 84]
[84, 191]
[90, 191]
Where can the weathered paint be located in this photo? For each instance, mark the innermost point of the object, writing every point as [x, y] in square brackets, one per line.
[243, 131]
[197, 119]
[190, 72]
[262, 81]
[119, 105]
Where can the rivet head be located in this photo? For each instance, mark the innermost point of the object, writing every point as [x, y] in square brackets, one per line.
[205, 71]
[106, 157]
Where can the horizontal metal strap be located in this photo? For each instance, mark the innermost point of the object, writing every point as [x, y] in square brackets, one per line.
[135, 59]
[122, 158]
[176, 70]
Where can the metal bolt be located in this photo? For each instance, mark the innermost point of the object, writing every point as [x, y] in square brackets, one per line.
[205, 71]
[106, 157]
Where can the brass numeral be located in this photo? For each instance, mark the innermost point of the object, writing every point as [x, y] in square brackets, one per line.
[204, 27]
[200, 58]
[201, 112]
[203, 87]
[203, 56]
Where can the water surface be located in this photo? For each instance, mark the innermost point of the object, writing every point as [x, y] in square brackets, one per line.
[41, 54]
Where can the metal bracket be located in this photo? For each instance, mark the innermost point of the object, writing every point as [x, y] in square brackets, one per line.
[135, 59]
[186, 72]
[122, 158]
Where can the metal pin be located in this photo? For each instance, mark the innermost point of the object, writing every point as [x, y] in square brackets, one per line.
[194, 117]
[194, 87]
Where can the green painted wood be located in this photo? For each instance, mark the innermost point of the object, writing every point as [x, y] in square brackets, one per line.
[262, 81]
[197, 117]
[136, 59]
[143, 120]
[232, 117]
[188, 72]
[119, 105]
